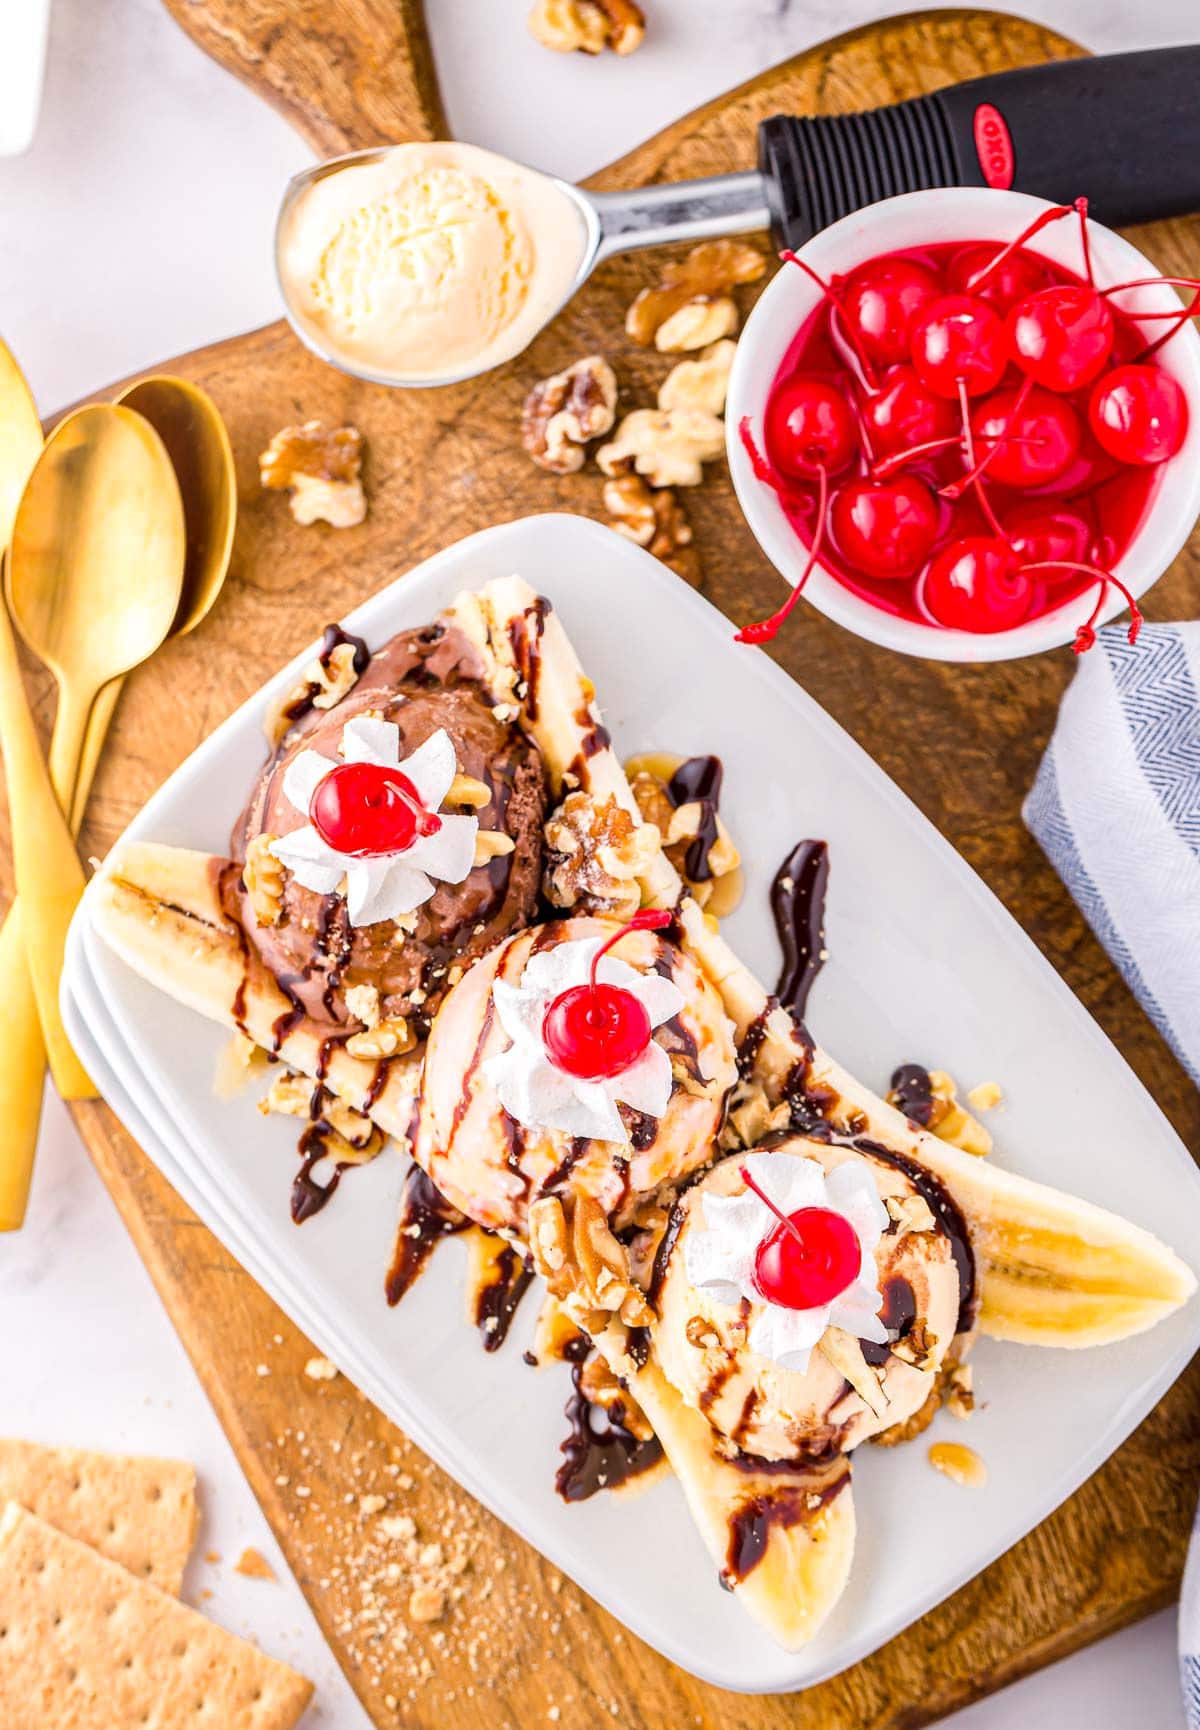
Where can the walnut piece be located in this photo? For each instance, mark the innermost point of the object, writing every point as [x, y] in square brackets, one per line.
[352, 1140]
[492, 844]
[701, 383]
[669, 447]
[563, 412]
[654, 520]
[680, 826]
[323, 682]
[909, 1213]
[385, 1038]
[595, 856]
[583, 1264]
[708, 273]
[322, 466]
[697, 325]
[363, 1003]
[588, 26]
[263, 876]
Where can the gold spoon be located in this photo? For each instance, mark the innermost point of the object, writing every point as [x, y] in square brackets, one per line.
[42, 848]
[190, 426]
[94, 577]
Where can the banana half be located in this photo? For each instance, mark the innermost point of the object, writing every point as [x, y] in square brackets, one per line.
[1050, 1269]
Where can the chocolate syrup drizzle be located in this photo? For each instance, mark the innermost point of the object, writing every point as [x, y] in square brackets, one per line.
[913, 1093]
[332, 637]
[698, 781]
[426, 1217]
[798, 906]
[496, 1300]
[599, 1452]
[750, 1527]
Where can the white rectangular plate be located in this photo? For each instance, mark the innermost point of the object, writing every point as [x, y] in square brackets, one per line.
[926, 965]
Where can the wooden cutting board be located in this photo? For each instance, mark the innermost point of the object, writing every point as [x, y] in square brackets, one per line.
[963, 742]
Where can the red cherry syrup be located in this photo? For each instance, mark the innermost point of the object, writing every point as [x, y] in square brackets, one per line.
[1067, 472]
[596, 1031]
[367, 811]
[807, 1258]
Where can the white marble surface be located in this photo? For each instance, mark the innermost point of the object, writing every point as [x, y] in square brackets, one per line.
[137, 226]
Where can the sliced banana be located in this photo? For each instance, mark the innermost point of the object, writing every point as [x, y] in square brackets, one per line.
[159, 908]
[802, 1517]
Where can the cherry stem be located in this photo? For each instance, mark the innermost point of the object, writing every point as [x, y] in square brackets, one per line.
[1035, 227]
[762, 1195]
[650, 919]
[955, 489]
[766, 629]
[985, 504]
[1081, 205]
[787, 256]
[1085, 636]
[884, 469]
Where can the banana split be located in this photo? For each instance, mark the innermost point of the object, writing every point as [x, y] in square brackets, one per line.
[448, 913]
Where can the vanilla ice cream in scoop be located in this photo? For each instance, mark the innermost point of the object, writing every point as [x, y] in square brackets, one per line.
[425, 263]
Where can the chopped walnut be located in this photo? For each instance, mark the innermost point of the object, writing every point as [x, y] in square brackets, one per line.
[492, 844]
[654, 520]
[595, 856]
[701, 1334]
[353, 1138]
[960, 1390]
[466, 790]
[386, 1038]
[986, 1096]
[751, 1117]
[909, 1213]
[708, 273]
[584, 1265]
[680, 825]
[599, 1385]
[588, 26]
[363, 1003]
[701, 383]
[917, 1346]
[669, 447]
[322, 466]
[697, 325]
[263, 876]
[563, 412]
[323, 682]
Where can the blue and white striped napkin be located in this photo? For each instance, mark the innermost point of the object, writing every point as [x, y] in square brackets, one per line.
[1116, 806]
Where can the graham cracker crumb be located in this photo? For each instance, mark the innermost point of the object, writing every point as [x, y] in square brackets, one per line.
[254, 1565]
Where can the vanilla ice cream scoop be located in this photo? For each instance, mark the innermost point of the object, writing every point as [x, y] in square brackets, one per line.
[849, 1392]
[426, 262]
[491, 1166]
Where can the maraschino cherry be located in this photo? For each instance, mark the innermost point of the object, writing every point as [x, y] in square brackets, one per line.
[1062, 336]
[808, 1258]
[1139, 414]
[977, 584]
[879, 302]
[885, 528]
[1001, 276]
[596, 1031]
[1049, 534]
[958, 343]
[810, 426]
[366, 811]
[903, 413]
[1026, 437]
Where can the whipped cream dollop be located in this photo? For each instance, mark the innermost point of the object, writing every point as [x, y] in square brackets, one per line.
[538, 1094]
[391, 884]
[721, 1259]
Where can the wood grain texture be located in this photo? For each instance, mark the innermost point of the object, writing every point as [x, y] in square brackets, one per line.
[346, 73]
[963, 742]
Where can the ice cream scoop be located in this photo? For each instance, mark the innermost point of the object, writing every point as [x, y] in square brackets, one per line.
[491, 1165]
[851, 1391]
[423, 264]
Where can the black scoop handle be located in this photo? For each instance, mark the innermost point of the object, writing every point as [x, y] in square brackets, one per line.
[1122, 129]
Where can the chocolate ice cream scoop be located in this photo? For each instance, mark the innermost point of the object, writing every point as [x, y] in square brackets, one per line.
[423, 681]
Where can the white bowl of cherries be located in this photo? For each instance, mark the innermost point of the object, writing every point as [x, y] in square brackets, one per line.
[966, 424]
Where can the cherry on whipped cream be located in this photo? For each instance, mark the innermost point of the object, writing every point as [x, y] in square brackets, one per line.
[807, 1258]
[595, 1031]
[367, 811]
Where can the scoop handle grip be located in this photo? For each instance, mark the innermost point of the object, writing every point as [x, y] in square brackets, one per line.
[1123, 129]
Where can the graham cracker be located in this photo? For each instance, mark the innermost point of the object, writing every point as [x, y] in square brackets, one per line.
[84, 1645]
[139, 1512]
